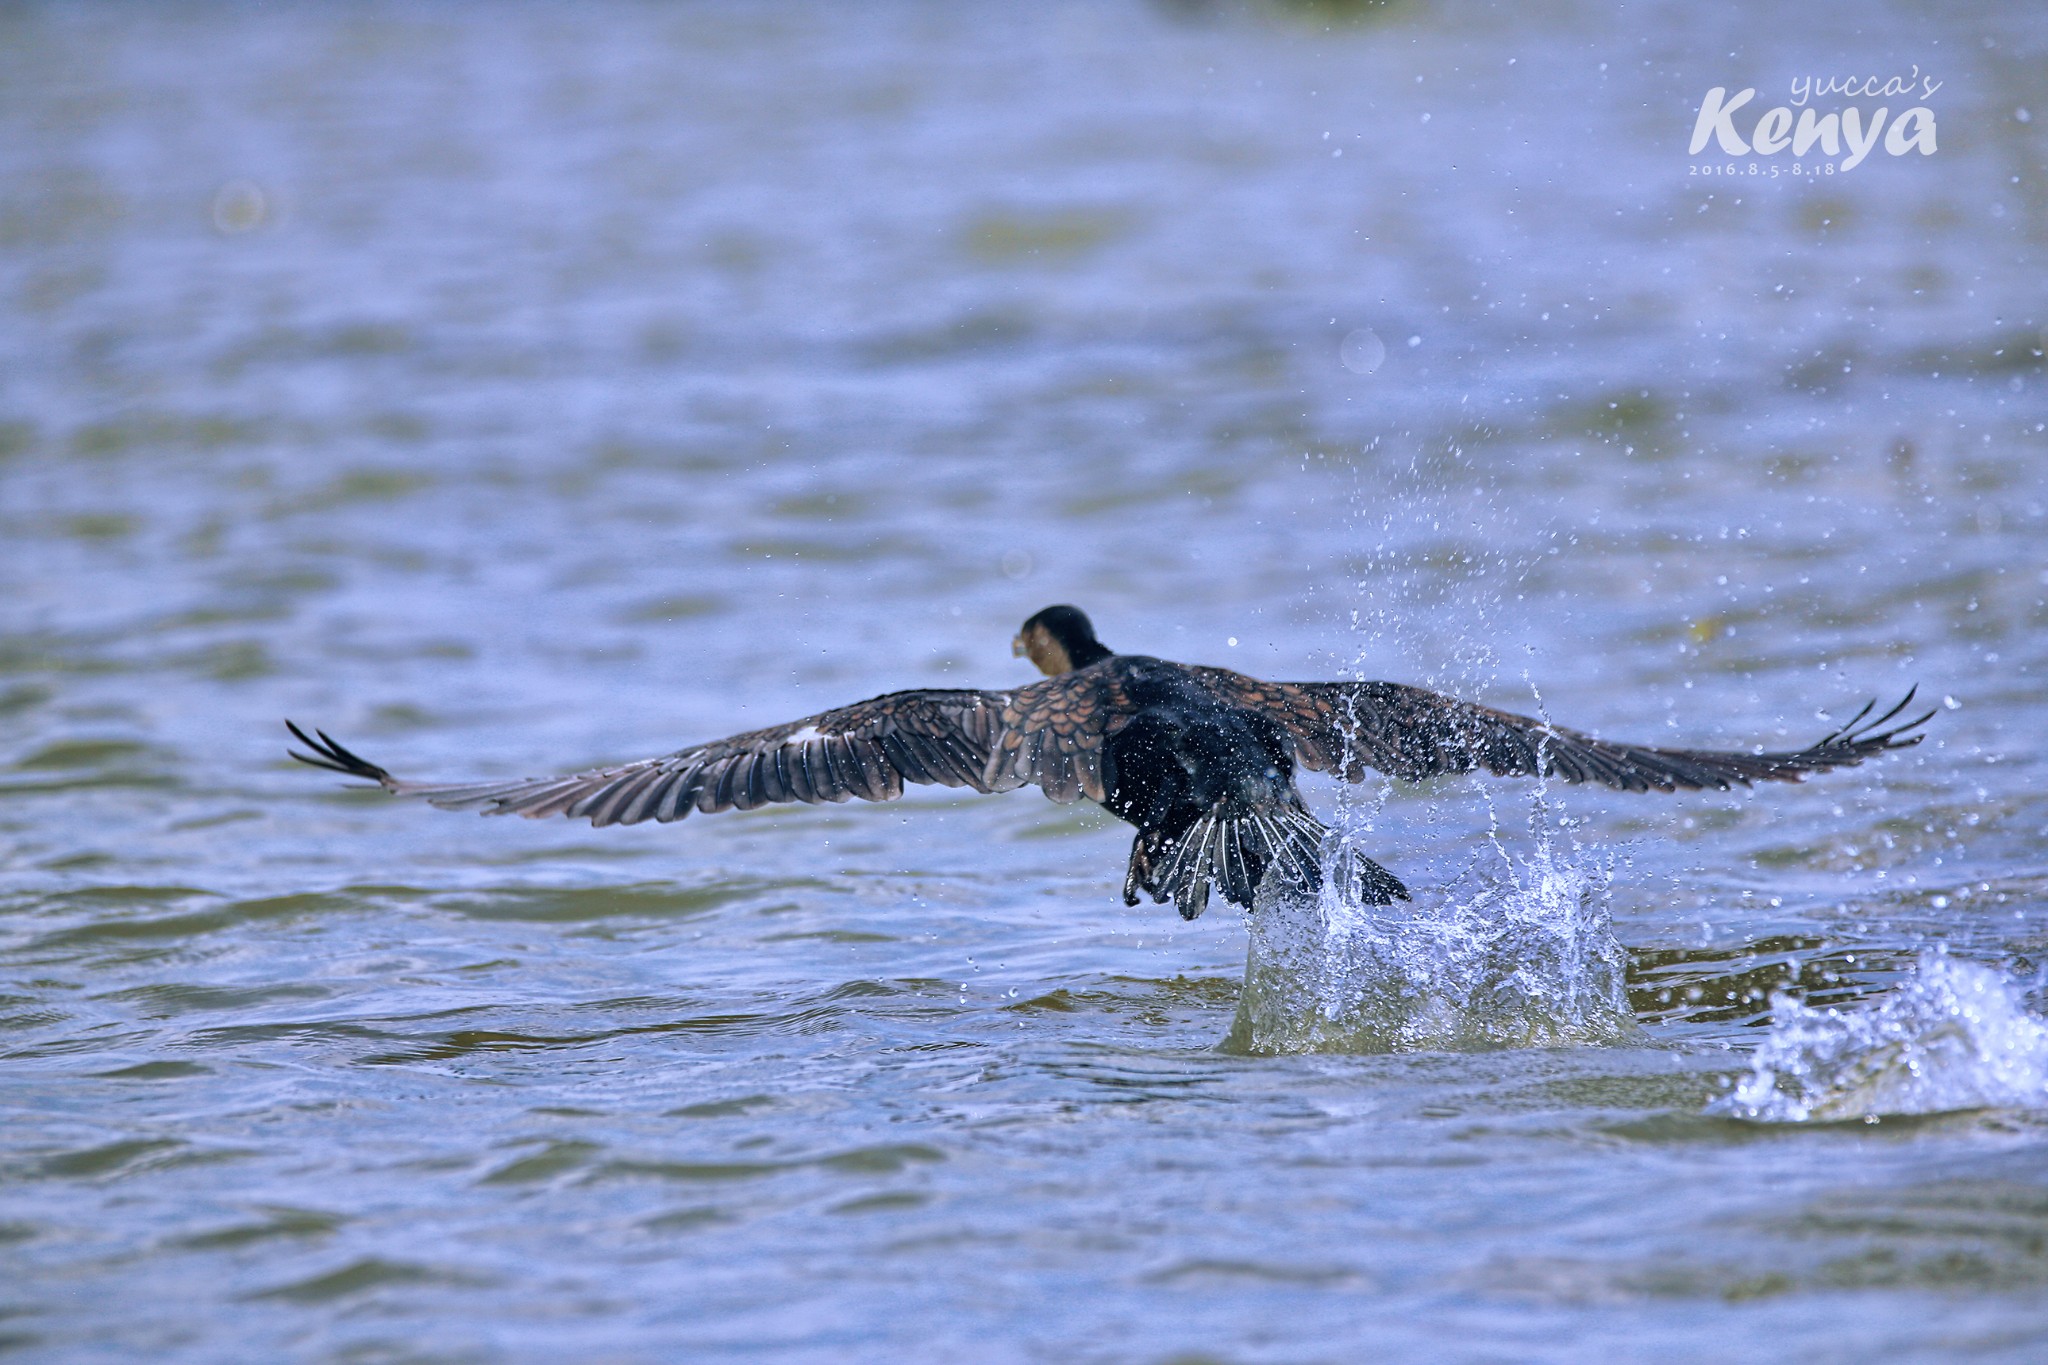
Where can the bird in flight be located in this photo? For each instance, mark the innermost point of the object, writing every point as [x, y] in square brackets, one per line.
[1201, 760]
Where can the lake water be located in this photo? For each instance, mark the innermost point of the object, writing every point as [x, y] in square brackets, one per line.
[511, 389]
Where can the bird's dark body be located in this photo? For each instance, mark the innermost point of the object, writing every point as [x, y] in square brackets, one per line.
[1201, 760]
[1184, 754]
[1185, 751]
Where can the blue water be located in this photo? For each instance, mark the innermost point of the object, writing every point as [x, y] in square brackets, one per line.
[511, 389]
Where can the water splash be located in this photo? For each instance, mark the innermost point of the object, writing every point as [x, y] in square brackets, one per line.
[1523, 957]
[1957, 1035]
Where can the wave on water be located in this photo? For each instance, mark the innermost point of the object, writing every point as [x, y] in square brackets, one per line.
[1519, 956]
[1957, 1035]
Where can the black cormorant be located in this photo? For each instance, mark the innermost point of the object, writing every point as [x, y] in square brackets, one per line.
[1201, 760]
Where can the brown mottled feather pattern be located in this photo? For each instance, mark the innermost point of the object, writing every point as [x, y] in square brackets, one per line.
[1052, 733]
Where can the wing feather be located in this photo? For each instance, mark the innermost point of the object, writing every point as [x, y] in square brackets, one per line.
[789, 769]
[1410, 732]
[868, 750]
[1054, 732]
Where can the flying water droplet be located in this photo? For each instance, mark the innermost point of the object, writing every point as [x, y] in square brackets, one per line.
[1361, 351]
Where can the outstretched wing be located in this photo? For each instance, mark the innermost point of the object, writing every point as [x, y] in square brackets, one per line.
[1052, 733]
[1413, 733]
[869, 750]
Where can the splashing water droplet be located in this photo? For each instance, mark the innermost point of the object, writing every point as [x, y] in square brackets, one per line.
[1525, 960]
[1956, 1035]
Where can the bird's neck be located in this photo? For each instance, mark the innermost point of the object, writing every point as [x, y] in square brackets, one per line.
[1085, 652]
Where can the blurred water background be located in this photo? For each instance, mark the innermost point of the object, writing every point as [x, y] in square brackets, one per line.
[513, 388]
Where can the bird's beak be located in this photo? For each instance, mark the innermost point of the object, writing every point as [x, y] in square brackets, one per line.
[1017, 648]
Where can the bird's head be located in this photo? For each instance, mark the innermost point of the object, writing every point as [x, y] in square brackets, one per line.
[1059, 640]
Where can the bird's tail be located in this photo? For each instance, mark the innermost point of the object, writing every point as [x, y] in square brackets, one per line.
[1235, 850]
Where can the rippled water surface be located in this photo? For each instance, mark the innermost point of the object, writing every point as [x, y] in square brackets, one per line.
[510, 389]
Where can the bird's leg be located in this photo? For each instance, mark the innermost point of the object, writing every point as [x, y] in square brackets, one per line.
[1143, 874]
[1139, 874]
